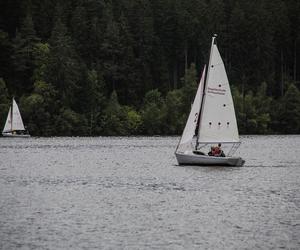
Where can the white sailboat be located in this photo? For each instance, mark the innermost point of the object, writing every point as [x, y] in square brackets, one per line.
[212, 118]
[14, 126]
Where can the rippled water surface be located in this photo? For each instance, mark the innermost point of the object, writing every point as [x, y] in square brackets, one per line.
[129, 193]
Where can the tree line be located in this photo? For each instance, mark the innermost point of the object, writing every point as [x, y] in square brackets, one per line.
[127, 67]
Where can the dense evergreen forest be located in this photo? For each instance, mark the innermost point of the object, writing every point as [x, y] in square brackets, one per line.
[123, 67]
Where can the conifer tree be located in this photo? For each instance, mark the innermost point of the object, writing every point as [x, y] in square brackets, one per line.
[23, 59]
[289, 115]
[5, 52]
[152, 115]
[64, 69]
[4, 102]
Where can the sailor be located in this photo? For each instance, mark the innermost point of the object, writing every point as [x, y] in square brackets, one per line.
[219, 151]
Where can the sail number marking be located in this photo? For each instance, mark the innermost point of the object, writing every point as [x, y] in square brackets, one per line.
[216, 91]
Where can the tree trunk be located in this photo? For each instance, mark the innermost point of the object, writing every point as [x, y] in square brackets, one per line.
[175, 80]
[295, 60]
[91, 123]
[282, 73]
[243, 106]
[243, 91]
[185, 56]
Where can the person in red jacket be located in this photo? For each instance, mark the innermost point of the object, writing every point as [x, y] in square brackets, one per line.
[216, 151]
[219, 151]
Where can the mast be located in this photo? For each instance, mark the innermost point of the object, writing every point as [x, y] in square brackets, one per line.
[11, 115]
[204, 87]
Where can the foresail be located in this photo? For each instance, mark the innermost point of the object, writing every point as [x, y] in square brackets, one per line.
[17, 123]
[7, 126]
[190, 127]
[218, 121]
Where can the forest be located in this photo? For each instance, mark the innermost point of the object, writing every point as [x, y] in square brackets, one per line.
[131, 67]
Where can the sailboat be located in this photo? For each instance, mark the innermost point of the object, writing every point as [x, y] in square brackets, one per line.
[211, 120]
[14, 126]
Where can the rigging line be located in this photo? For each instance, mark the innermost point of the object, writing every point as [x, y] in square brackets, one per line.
[204, 87]
[200, 110]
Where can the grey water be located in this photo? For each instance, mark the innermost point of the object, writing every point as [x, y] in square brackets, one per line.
[129, 193]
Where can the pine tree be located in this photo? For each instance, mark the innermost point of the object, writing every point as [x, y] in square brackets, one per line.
[174, 121]
[63, 70]
[110, 49]
[42, 12]
[23, 59]
[80, 31]
[152, 115]
[4, 102]
[114, 117]
[189, 88]
[40, 109]
[289, 115]
[5, 52]
[95, 100]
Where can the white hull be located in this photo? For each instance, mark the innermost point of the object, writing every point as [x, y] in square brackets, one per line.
[15, 135]
[189, 158]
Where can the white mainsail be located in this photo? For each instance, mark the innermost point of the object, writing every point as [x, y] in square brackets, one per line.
[17, 123]
[190, 127]
[14, 119]
[217, 121]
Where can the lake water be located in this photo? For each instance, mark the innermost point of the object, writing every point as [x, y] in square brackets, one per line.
[129, 193]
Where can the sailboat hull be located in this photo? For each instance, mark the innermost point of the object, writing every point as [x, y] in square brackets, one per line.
[15, 135]
[189, 158]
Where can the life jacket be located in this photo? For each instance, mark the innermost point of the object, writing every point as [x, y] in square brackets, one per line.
[217, 151]
[212, 150]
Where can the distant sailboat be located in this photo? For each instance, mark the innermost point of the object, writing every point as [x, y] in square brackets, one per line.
[14, 126]
[212, 118]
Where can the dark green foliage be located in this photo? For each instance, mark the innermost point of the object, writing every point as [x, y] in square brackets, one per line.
[4, 102]
[22, 58]
[133, 121]
[152, 113]
[119, 120]
[40, 109]
[189, 88]
[174, 117]
[70, 123]
[95, 99]
[5, 52]
[63, 69]
[41, 54]
[253, 111]
[288, 115]
[131, 67]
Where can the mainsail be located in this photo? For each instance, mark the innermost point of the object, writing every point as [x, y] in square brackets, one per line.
[217, 121]
[190, 127]
[17, 123]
